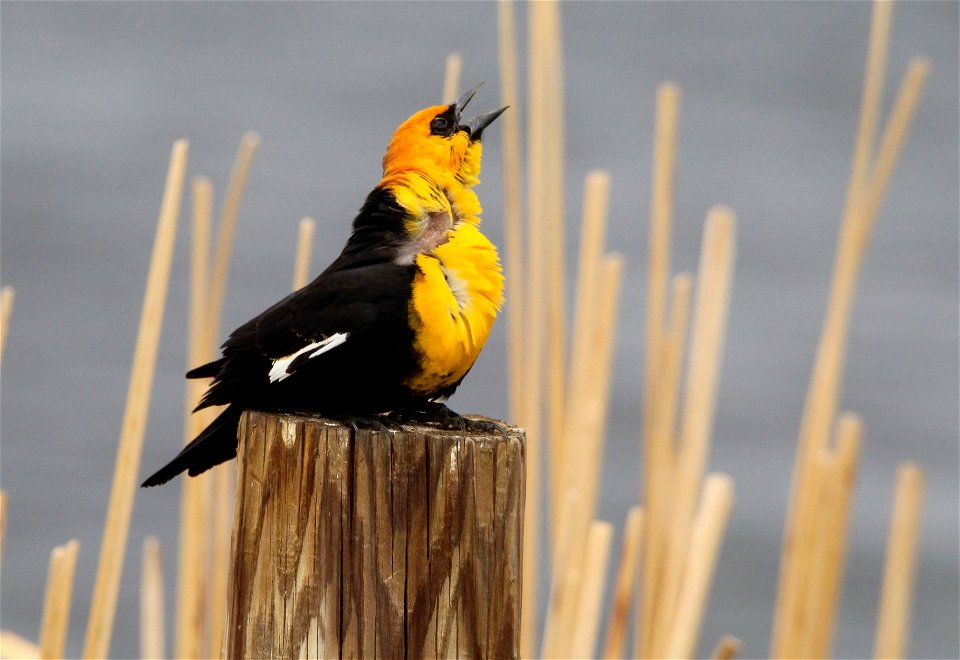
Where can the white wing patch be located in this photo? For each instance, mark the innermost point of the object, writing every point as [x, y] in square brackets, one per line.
[279, 369]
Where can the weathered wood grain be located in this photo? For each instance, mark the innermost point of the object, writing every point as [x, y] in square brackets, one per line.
[375, 544]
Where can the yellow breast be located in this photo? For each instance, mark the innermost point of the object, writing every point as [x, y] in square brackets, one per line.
[457, 292]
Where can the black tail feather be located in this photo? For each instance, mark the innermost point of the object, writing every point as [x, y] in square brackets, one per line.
[216, 444]
[208, 370]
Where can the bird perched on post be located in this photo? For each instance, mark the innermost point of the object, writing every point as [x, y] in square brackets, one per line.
[394, 323]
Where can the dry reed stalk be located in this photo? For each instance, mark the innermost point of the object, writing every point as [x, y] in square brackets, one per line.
[830, 480]
[714, 275]
[868, 186]
[301, 264]
[56, 604]
[896, 594]
[894, 136]
[662, 451]
[823, 474]
[706, 538]
[657, 455]
[583, 471]
[555, 211]
[107, 585]
[227, 227]
[535, 324]
[669, 377]
[3, 521]
[823, 390]
[623, 585]
[195, 495]
[563, 582]
[582, 478]
[198, 344]
[220, 484]
[561, 616]
[221, 497]
[822, 394]
[592, 238]
[825, 381]
[222, 517]
[152, 609]
[874, 76]
[727, 648]
[835, 528]
[597, 396]
[13, 645]
[197, 349]
[583, 633]
[451, 77]
[512, 203]
[7, 296]
[661, 213]
[596, 192]
[538, 254]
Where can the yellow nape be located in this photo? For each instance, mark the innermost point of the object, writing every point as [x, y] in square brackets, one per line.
[457, 293]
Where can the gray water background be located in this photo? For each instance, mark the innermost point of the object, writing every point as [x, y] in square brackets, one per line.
[93, 94]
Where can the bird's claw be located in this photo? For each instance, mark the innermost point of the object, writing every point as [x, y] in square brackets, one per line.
[487, 426]
[381, 423]
[441, 416]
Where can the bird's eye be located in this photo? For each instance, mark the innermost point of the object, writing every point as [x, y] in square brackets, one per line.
[440, 126]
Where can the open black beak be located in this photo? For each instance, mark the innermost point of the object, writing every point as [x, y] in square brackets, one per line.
[476, 125]
[466, 96]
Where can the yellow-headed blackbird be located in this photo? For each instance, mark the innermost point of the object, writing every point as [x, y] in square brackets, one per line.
[394, 323]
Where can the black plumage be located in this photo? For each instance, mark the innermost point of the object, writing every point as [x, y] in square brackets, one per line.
[363, 293]
[394, 323]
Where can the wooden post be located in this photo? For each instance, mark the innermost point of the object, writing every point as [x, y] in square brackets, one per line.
[375, 544]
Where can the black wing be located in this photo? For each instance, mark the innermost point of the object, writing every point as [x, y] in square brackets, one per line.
[365, 306]
[364, 294]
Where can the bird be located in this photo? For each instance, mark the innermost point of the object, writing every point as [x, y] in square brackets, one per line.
[394, 323]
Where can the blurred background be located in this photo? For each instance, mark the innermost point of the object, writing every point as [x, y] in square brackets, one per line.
[93, 95]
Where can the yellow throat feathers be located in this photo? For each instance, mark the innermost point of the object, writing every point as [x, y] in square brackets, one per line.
[458, 286]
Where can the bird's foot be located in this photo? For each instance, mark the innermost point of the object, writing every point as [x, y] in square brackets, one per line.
[487, 426]
[381, 423]
[431, 413]
[438, 414]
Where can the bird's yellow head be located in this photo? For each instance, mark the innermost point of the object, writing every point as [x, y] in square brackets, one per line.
[430, 167]
[438, 143]
[430, 141]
